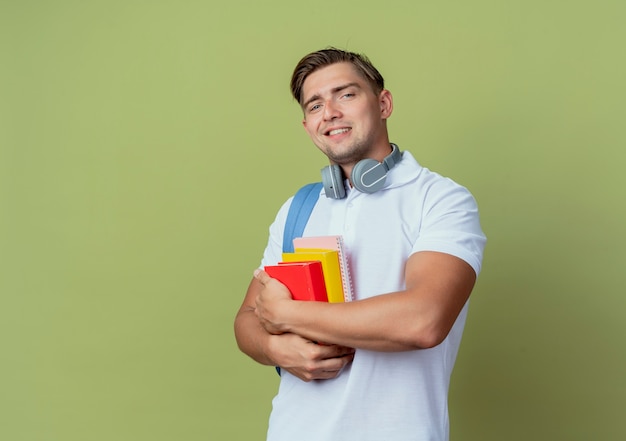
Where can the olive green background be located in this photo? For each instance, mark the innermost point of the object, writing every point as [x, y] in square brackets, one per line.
[145, 147]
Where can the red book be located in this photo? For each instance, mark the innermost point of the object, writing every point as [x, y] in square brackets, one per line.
[305, 280]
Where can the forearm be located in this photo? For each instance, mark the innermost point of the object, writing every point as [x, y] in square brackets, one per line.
[302, 358]
[387, 323]
[355, 324]
[251, 337]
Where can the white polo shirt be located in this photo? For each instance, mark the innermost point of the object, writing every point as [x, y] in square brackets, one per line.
[383, 396]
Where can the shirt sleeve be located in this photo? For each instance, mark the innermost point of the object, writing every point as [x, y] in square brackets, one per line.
[450, 224]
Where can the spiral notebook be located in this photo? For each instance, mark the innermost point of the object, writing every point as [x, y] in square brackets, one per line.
[331, 243]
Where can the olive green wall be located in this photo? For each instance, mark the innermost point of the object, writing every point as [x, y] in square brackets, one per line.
[146, 145]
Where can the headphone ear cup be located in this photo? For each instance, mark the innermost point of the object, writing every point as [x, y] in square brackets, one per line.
[332, 178]
[368, 176]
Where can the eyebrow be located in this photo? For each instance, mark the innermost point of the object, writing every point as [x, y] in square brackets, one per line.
[333, 91]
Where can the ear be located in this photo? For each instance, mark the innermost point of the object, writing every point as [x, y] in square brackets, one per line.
[386, 103]
[306, 127]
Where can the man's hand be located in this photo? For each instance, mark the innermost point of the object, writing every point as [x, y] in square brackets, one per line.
[272, 297]
[303, 358]
[308, 360]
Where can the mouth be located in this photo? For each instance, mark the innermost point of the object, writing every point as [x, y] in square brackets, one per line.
[338, 131]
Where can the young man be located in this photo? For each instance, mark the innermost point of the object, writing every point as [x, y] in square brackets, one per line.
[415, 248]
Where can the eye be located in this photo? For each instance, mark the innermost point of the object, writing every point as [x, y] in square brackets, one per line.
[314, 107]
[347, 96]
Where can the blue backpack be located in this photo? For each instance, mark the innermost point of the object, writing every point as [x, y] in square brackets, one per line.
[301, 207]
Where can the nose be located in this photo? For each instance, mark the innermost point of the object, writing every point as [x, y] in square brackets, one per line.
[331, 111]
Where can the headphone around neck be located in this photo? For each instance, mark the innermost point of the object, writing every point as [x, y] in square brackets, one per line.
[367, 176]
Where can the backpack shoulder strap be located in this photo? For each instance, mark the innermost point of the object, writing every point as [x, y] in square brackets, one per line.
[301, 207]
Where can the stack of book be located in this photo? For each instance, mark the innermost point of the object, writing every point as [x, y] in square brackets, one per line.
[317, 270]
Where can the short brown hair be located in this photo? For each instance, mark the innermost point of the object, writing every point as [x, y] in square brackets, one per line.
[325, 57]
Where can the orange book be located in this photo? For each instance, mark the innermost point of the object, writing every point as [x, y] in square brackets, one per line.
[305, 280]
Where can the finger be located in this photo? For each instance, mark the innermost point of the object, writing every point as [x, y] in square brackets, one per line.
[332, 351]
[343, 350]
[261, 276]
[333, 366]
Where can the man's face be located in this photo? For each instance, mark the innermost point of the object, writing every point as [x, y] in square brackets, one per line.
[343, 116]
